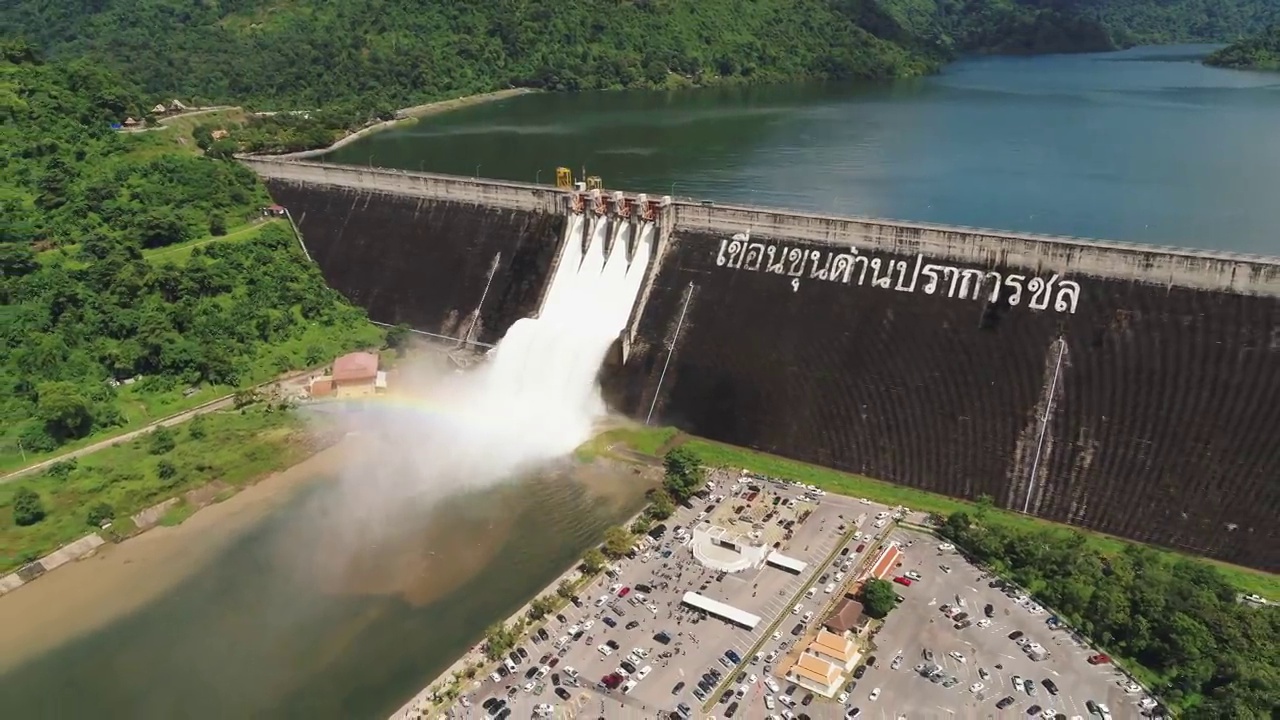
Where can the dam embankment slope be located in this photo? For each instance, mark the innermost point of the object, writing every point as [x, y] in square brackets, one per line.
[1129, 389]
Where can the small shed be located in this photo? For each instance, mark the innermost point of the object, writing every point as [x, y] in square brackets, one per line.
[159, 109]
[130, 122]
[176, 106]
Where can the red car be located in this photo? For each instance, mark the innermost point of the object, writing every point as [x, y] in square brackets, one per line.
[860, 548]
[1099, 659]
[623, 592]
[903, 581]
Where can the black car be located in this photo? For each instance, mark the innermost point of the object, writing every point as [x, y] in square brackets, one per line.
[562, 693]
[742, 676]
[703, 686]
[1015, 634]
[823, 578]
[871, 661]
[1051, 686]
[708, 678]
[791, 689]
[726, 697]
[679, 686]
[515, 656]
[633, 624]
[542, 633]
[859, 671]
[609, 621]
[1091, 706]
[683, 709]
[729, 711]
[528, 675]
[562, 618]
[506, 713]
[808, 698]
[1005, 702]
[660, 637]
[613, 644]
[641, 587]
[503, 671]
[989, 610]
[1033, 710]
[489, 703]
[844, 551]
[626, 665]
[798, 630]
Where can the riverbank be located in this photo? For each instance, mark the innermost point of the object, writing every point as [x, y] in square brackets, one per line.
[406, 116]
[439, 694]
[120, 578]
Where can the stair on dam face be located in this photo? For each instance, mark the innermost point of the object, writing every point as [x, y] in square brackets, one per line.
[1158, 425]
[427, 263]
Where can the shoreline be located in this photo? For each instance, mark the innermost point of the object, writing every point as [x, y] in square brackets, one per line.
[403, 116]
[421, 706]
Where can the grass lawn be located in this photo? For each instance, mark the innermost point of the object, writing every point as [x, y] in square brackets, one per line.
[179, 253]
[647, 439]
[234, 447]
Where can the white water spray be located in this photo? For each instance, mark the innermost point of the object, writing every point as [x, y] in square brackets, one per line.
[536, 397]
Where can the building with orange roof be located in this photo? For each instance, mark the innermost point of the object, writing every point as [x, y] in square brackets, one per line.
[835, 649]
[816, 674]
[884, 565]
[354, 375]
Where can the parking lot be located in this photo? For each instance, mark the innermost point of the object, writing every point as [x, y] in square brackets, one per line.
[990, 657]
[696, 643]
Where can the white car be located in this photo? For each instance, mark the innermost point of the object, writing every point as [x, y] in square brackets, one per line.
[811, 592]
[875, 694]
[573, 629]
[543, 710]
[564, 640]
[839, 577]
[771, 657]
[604, 650]
[653, 608]
[913, 575]
[600, 601]
[1017, 682]
[568, 670]
[768, 702]
[752, 679]
[769, 683]
[787, 700]
[644, 672]
[633, 659]
[628, 686]
[842, 698]
[528, 687]
[984, 623]
[976, 688]
[796, 610]
[831, 587]
[808, 616]
[1132, 688]
[640, 652]
[881, 523]
[1048, 713]
[495, 677]
[946, 547]
[897, 663]
[614, 588]
[588, 624]
[777, 635]
[957, 656]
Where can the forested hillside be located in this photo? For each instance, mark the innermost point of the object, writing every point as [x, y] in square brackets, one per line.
[97, 289]
[1259, 52]
[380, 54]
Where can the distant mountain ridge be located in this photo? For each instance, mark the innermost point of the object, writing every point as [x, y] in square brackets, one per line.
[1257, 52]
[376, 55]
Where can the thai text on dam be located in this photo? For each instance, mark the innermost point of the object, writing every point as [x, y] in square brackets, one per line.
[838, 266]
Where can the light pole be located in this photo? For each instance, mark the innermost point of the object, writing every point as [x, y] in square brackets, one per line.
[673, 188]
[537, 177]
[477, 171]
[370, 159]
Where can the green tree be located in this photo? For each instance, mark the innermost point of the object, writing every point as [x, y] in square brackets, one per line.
[27, 507]
[617, 542]
[878, 598]
[641, 525]
[593, 561]
[100, 513]
[166, 470]
[541, 607]
[398, 338]
[661, 506]
[64, 410]
[684, 473]
[498, 640]
[196, 428]
[217, 224]
[161, 441]
[565, 589]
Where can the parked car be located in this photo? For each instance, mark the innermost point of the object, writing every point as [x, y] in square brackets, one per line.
[1099, 659]
[1005, 702]
[1050, 685]
[906, 582]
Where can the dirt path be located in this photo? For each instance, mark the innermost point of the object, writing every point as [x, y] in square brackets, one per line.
[181, 417]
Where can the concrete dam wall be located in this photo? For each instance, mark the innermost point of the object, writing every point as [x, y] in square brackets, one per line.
[1124, 388]
[436, 257]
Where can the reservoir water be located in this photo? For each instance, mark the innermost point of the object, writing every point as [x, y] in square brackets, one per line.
[251, 614]
[1145, 145]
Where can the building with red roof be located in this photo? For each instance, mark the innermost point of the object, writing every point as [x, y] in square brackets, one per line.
[354, 375]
